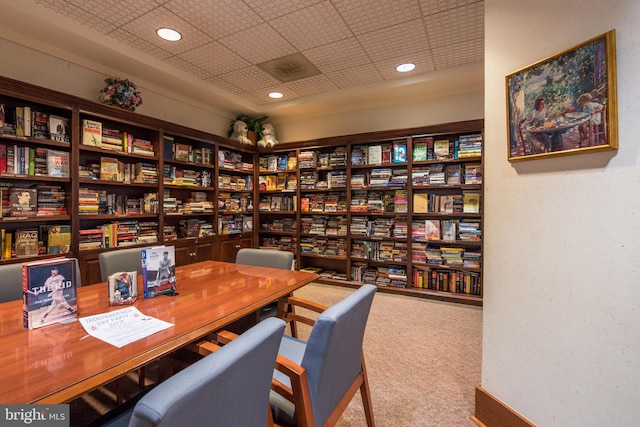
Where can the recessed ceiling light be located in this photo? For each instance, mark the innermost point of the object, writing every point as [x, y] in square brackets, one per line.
[403, 68]
[275, 95]
[169, 34]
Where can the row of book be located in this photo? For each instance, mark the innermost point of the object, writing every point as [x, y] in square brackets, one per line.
[447, 230]
[379, 227]
[462, 282]
[95, 134]
[283, 243]
[379, 250]
[22, 160]
[323, 202]
[39, 200]
[379, 201]
[173, 175]
[230, 224]
[382, 275]
[233, 182]
[465, 146]
[114, 170]
[29, 242]
[453, 256]
[235, 202]
[326, 246]
[23, 121]
[379, 154]
[312, 159]
[324, 225]
[202, 155]
[278, 182]
[98, 202]
[232, 160]
[449, 174]
[277, 203]
[467, 202]
[281, 162]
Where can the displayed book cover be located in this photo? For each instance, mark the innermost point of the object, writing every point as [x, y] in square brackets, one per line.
[471, 201]
[441, 149]
[109, 169]
[24, 202]
[91, 133]
[123, 287]
[59, 239]
[420, 152]
[49, 292]
[399, 153]
[432, 229]
[26, 242]
[58, 163]
[58, 128]
[158, 271]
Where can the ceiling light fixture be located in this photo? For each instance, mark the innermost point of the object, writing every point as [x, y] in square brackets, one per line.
[404, 68]
[275, 95]
[168, 34]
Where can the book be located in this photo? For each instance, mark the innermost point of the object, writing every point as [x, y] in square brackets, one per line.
[399, 152]
[123, 287]
[432, 229]
[471, 202]
[59, 239]
[109, 169]
[26, 242]
[420, 202]
[58, 163]
[375, 155]
[158, 271]
[49, 292]
[441, 149]
[24, 202]
[91, 133]
[58, 128]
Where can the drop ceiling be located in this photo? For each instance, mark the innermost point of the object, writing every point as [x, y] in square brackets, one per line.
[354, 44]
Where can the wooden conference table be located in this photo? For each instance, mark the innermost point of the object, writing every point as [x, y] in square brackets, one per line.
[60, 362]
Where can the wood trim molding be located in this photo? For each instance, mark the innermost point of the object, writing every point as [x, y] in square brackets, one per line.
[492, 412]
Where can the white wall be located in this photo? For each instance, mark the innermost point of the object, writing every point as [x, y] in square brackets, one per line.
[561, 339]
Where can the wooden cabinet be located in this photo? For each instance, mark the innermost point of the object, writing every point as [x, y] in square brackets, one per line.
[194, 250]
[230, 244]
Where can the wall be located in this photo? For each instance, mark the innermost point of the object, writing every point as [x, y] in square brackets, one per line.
[562, 293]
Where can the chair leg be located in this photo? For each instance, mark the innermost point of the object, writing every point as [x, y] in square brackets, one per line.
[141, 378]
[119, 391]
[365, 393]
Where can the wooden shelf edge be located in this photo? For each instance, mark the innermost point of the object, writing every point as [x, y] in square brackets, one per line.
[420, 293]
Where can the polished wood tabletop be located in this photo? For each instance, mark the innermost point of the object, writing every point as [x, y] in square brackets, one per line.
[57, 363]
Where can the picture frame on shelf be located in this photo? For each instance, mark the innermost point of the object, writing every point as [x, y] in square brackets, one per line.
[564, 104]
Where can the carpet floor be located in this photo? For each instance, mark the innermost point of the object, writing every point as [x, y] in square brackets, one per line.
[423, 360]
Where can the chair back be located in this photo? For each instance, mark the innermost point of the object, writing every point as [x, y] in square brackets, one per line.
[11, 281]
[230, 387]
[333, 355]
[265, 258]
[128, 259]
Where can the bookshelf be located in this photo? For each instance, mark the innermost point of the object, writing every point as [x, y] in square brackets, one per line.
[136, 180]
[398, 190]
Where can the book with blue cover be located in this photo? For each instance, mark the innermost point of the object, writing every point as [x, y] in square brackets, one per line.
[158, 271]
[49, 292]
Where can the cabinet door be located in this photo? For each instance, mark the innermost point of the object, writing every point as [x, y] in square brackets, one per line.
[203, 249]
[89, 269]
[228, 248]
[183, 252]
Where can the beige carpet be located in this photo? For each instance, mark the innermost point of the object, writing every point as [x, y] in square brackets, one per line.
[423, 359]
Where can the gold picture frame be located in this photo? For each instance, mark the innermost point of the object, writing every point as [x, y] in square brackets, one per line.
[564, 104]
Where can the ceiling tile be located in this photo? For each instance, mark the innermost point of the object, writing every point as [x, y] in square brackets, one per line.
[364, 16]
[356, 76]
[342, 54]
[312, 26]
[258, 44]
[215, 58]
[271, 9]
[408, 37]
[250, 78]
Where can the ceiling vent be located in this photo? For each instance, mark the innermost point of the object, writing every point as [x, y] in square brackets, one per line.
[289, 68]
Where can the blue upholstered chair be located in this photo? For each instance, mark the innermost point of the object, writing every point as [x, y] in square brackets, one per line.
[11, 287]
[332, 360]
[229, 387]
[315, 380]
[265, 258]
[127, 259]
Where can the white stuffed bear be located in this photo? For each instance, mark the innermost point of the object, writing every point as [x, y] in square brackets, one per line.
[268, 136]
[240, 132]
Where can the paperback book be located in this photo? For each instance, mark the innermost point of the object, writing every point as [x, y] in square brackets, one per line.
[49, 292]
[158, 271]
[123, 288]
[24, 202]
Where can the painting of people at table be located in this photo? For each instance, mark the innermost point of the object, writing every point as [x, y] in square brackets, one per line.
[563, 104]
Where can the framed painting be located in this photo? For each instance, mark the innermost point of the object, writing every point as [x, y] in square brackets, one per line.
[564, 104]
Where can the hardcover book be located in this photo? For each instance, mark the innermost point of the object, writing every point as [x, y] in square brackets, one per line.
[26, 243]
[24, 202]
[92, 133]
[49, 289]
[158, 271]
[123, 288]
[58, 163]
[59, 239]
[58, 128]
[109, 169]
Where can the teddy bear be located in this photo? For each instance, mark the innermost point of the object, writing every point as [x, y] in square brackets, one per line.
[240, 132]
[268, 136]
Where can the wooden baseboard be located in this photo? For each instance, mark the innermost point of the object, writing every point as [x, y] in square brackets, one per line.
[491, 412]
